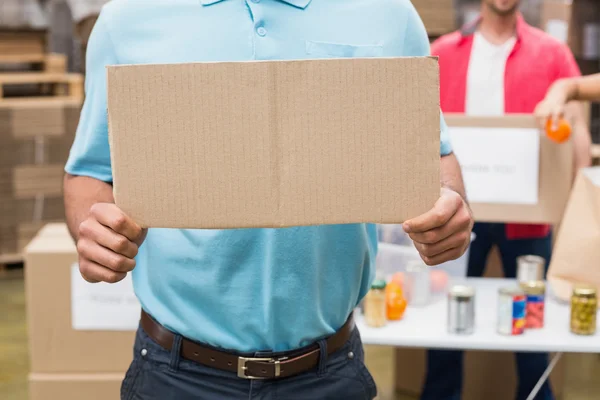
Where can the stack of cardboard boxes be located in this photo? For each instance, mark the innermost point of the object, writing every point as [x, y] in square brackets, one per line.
[22, 42]
[37, 127]
[75, 353]
[35, 138]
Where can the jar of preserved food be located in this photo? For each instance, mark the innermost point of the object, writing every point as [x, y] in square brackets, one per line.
[584, 305]
[375, 305]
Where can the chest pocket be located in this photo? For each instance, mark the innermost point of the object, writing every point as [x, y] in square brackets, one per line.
[337, 50]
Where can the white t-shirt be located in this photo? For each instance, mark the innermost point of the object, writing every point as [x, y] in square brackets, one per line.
[485, 77]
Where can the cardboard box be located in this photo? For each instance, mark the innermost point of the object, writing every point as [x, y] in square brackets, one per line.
[439, 16]
[555, 175]
[95, 386]
[41, 150]
[54, 229]
[23, 42]
[55, 346]
[45, 117]
[30, 181]
[275, 143]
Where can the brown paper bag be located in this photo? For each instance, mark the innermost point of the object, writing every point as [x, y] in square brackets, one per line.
[576, 254]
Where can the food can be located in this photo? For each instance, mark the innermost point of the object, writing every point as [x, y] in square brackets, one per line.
[535, 298]
[461, 310]
[418, 283]
[584, 305]
[511, 311]
[530, 268]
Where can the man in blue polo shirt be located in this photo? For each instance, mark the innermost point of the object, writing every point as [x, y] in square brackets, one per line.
[222, 307]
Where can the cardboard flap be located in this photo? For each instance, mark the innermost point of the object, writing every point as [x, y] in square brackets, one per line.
[275, 143]
[555, 175]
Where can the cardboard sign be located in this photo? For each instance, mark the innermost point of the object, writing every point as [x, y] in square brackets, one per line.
[275, 143]
[103, 306]
[577, 249]
[555, 172]
[499, 165]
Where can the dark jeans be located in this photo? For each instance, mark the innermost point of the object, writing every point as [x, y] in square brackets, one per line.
[445, 367]
[156, 373]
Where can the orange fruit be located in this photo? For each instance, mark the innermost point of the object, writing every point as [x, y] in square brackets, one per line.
[395, 301]
[561, 133]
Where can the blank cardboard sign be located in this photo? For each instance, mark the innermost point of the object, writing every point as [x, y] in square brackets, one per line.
[275, 143]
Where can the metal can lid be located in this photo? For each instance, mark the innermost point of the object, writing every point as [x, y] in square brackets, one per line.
[462, 291]
[534, 287]
[378, 284]
[511, 291]
[584, 290]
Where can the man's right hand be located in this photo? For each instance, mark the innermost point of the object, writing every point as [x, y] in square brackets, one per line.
[107, 244]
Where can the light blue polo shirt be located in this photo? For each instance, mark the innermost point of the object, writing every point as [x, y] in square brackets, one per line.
[246, 289]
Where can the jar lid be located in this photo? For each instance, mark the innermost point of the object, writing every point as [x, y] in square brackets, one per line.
[378, 284]
[584, 290]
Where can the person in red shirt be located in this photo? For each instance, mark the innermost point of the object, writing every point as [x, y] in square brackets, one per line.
[494, 66]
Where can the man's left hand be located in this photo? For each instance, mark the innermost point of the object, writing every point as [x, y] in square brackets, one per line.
[444, 232]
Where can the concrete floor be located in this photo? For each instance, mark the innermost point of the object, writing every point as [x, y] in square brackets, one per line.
[583, 371]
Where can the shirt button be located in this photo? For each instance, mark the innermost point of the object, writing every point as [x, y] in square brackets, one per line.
[261, 31]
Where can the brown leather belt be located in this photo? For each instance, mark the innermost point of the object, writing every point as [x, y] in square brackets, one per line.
[281, 365]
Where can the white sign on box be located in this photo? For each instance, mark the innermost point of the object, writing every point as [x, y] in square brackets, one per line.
[103, 306]
[499, 165]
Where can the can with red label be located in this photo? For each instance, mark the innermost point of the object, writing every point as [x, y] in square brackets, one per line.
[511, 311]
[535, 296]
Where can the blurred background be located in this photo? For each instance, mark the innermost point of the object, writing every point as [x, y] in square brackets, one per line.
[42, 53]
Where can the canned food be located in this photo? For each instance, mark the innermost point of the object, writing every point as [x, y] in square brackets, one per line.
[530, 268]
[461, 310]
[511, 311]
[584, 305]
[535, 298]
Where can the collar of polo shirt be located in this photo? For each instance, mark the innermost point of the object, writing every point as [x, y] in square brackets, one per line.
[295, 3]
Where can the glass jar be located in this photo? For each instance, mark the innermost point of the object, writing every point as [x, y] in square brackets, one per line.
[584, 305]
[375, 305]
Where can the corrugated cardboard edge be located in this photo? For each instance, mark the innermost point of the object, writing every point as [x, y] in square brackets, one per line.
[548, 210]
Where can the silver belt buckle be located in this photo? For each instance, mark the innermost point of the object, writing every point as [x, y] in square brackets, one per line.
[242, 361]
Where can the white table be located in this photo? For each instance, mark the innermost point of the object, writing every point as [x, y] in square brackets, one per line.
[427, 327]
